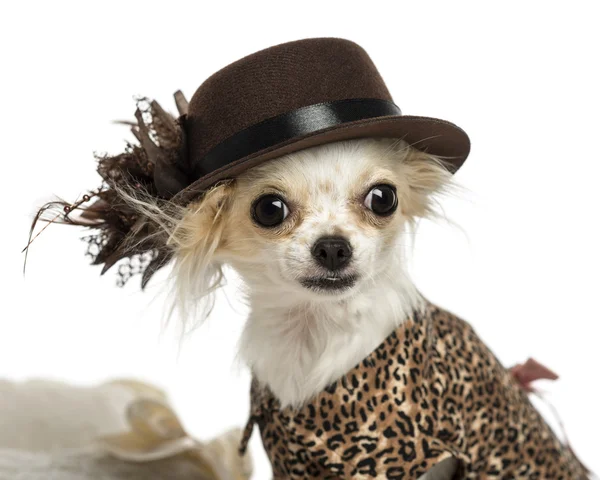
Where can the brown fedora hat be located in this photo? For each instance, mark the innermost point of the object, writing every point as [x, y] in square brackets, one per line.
[293, 96]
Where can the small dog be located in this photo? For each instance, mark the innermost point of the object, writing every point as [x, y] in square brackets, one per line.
[319, 238]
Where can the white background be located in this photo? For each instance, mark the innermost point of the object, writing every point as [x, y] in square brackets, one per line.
[520, 77]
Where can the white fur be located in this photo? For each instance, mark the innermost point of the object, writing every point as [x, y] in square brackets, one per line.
[298, 346]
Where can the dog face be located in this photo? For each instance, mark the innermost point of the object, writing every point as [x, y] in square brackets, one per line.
[322, 221]
[318, 223]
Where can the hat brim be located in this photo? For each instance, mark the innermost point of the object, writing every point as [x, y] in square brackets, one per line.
[432, 135]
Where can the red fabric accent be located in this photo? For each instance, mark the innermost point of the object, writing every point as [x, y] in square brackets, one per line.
[527, 373]
[530, 371]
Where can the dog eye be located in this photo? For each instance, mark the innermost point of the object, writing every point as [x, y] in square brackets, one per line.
[270, 211]
[382, 200]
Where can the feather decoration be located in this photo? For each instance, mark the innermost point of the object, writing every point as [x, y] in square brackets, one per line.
[155, 166]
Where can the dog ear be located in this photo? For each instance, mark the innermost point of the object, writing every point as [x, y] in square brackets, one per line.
[424, 177]
[196, 241]
[202, 226]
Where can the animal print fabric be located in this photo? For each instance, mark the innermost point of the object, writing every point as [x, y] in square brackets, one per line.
[430, 391]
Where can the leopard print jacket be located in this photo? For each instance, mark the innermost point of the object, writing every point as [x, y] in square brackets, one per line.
[432, 390]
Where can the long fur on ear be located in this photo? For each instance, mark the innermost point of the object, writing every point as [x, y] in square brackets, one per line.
[195, 240]
[152, 168]
[425, 178]
[191, 236]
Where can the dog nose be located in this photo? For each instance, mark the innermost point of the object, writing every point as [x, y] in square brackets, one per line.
[332, 252]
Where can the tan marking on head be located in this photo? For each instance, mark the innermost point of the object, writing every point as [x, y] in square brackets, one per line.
[326, 187]
[243, 237]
